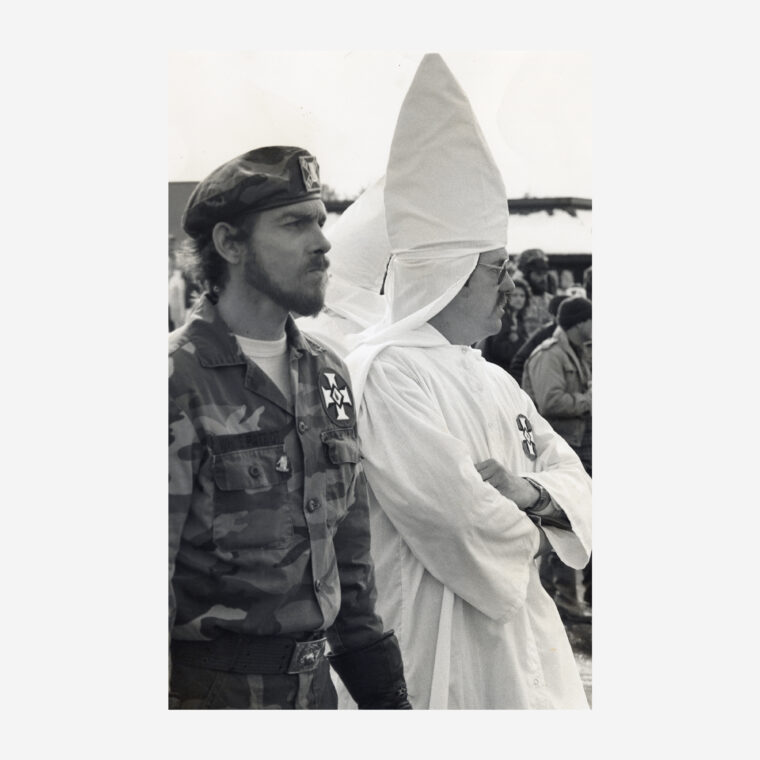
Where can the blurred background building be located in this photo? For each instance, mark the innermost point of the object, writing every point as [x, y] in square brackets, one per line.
[561, 227]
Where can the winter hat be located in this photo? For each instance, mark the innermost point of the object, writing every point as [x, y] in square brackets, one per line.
[533, 260]
[554, 304]
[573, 311]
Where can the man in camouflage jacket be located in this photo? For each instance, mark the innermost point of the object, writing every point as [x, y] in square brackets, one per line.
[268, 520]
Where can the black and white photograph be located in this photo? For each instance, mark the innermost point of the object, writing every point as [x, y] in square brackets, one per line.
[381, 520]
[380, 380]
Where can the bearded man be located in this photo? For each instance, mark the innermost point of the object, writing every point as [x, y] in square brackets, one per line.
[534, 268]
[268, 520]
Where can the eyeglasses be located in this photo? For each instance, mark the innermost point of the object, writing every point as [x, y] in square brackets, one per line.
[502, 270]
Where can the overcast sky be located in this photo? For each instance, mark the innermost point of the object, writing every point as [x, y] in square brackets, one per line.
[534, 108]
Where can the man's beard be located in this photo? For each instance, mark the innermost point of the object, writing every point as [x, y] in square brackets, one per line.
[304, 302]
[538, 288]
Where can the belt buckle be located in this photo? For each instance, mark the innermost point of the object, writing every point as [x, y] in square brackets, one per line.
[306, 655]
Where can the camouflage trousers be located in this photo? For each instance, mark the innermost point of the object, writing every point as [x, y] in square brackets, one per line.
[203, 689]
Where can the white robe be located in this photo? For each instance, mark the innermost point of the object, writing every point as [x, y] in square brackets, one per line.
[454, 559]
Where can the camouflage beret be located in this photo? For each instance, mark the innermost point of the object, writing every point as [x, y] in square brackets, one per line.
[260, 179]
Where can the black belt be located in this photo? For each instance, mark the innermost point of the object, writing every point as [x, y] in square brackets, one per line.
[263, 655]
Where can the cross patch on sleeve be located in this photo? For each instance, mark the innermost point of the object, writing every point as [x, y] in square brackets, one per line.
[528, 444]
[336, 398]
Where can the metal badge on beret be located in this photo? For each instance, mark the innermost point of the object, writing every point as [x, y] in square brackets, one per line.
[260, 179]
[309, 172]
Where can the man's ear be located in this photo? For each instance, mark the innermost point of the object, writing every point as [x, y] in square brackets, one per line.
[230, 249]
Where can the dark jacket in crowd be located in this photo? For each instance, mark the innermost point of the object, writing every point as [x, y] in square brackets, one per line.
[517, 364]
[535, 338]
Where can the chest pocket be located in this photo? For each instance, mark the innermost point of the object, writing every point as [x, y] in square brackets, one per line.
[251, 507]
[343, 456]
[574, 381]
[571, 375]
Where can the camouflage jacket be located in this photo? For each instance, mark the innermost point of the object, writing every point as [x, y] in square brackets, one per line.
[268, 517]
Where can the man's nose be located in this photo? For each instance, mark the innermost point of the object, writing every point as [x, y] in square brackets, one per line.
[507, 285]
[321, 244]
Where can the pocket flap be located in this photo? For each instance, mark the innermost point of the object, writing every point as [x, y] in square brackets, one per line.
[248, 470]
[343, 450]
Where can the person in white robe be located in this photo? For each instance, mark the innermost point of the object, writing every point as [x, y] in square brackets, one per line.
[468, 482]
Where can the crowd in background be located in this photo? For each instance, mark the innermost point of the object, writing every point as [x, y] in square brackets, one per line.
[557, 377]
[183, 291]
[531, 311]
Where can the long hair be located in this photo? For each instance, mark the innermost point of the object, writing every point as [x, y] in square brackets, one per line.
[526, 290]
[198, 257]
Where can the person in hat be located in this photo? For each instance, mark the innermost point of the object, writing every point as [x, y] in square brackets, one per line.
[557, 376]
[467, 482]
[534, 266]
[269, 545]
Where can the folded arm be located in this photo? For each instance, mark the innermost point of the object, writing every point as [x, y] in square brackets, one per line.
[561, 473]
[465, 533]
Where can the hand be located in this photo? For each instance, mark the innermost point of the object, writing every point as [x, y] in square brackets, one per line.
[522, 493]
[374, 675]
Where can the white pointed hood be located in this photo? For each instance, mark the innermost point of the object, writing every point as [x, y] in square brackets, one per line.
[443, 188]
[445, 203]
[358, 258]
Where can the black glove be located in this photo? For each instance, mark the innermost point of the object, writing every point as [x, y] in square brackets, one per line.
[374, 675]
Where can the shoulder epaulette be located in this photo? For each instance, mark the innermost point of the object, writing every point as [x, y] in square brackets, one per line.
[542, 346]
[316, 345]
[177, 339]
[548, 343]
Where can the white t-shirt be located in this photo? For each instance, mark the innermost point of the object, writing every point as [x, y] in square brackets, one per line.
[272, 357]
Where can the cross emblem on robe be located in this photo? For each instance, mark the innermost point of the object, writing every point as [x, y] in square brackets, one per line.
[528, 444]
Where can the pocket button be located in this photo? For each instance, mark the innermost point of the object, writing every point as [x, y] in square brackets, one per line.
[254, 471]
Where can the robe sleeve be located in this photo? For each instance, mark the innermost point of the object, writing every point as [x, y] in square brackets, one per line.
[561, 473]
[466, 534]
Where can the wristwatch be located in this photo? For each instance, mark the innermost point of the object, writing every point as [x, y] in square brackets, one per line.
[545, 512]
[544, 499]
